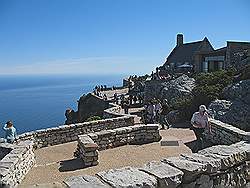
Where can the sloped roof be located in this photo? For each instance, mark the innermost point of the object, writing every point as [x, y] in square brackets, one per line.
[185, 52]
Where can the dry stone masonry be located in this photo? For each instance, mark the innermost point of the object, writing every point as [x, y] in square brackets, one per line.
[223, 133]
[137, 134]
[68, 133]
[218, 166]
[16, 163]
[87, 150]
[89, 144]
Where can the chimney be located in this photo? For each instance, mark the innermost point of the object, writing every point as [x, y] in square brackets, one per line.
[179, 40]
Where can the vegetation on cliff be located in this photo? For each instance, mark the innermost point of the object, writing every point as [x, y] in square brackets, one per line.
[209, 86]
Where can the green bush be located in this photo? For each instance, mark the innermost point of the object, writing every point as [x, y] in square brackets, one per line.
[209, 86]
[94, 118]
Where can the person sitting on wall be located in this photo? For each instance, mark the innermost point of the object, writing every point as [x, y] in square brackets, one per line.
[10, 132]
[199, 123]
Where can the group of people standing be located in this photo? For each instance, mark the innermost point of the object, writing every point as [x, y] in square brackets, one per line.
[155, 112]
[10, 132]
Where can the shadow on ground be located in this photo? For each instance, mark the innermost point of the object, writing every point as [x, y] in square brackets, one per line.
[71, 165]
[193, 145]
[186, 124]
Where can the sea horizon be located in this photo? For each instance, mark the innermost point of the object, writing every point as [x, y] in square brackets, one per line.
[35, 102]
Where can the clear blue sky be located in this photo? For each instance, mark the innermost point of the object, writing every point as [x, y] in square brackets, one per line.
[110, 36]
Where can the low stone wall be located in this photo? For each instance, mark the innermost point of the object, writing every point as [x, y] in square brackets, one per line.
[223, 133]
[68, 133]
[217, 166]
[137, 134]
[16, 164]
[114, 110]
[4, 151]
[87, 150]
[89, 143]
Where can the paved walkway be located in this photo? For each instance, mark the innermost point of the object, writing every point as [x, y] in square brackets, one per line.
[56, 163]
[110, 93]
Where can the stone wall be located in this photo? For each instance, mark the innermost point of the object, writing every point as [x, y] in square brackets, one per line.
[87, 150]
[217, 166]
[114, 110]
[88, 144]
[137, 134]
[68, 133]
[4, 151]
[223, 133]
[16, 164]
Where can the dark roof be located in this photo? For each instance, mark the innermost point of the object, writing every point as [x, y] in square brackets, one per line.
[185, 52]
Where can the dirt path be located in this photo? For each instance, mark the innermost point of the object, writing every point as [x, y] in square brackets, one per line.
[56, 163]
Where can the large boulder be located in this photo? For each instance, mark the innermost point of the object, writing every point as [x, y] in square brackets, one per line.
[88, 105]
[238, 91]
[236, 109]
[173, 90]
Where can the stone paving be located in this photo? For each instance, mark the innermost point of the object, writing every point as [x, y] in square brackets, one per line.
[56, 163]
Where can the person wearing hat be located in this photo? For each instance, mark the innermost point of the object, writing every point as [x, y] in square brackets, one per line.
[10, 132]
[199, 123]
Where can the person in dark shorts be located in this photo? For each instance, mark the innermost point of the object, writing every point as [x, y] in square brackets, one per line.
[199, 123]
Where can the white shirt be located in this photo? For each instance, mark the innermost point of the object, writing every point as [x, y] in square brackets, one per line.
[201, 120]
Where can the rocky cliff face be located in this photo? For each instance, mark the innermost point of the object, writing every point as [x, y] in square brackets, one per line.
[88, 105]
[235, 109]
[173, 90]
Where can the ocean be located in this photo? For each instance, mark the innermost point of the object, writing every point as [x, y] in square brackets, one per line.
[37, 102]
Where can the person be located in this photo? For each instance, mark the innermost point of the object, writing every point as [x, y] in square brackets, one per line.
[130, 99]
[151, 112]
[199, 123]
[163, 115]
[10, 132]
[158, 109]
[105, 97]
[157, 74]
[135, 99]
[116, 98]
[126, 106]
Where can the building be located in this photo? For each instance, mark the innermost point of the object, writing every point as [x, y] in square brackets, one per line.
[200, 56]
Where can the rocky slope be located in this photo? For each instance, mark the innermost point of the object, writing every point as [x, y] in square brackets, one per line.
[172, 91]
[235, 109]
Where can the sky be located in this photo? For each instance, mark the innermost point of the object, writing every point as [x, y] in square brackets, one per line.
[110, 36]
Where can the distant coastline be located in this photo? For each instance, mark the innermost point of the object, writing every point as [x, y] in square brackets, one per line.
[37, 102]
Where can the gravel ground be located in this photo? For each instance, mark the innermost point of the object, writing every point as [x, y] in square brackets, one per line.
[55, 163]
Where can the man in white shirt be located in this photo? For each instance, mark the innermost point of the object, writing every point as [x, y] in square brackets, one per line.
[200, 122]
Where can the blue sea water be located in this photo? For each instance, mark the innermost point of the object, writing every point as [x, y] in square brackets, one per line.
[37, 102]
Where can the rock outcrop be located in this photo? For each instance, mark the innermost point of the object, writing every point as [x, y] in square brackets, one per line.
[88, 105]
[235, 109]
[173, 91]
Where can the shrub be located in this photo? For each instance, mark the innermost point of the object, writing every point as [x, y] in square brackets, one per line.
[209, 86]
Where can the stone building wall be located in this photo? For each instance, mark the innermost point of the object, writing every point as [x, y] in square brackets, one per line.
[234, 51]
[16, 164]
[68, 133]
[217, 166]
[223, 133]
